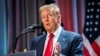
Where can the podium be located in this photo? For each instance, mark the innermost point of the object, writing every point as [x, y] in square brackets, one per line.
[28, 53]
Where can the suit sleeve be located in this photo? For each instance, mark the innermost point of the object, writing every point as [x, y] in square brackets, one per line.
[77, 46]
[32, 47]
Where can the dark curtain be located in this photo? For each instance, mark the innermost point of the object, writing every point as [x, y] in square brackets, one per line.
[22, 14]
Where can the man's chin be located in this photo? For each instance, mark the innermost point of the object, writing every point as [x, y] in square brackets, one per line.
[48, 29]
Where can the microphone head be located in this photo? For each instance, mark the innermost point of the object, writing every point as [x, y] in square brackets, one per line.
[32, 28]
[35, 26]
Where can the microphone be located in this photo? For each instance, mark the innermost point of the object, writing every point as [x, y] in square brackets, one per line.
[26, 30]
[32, 28]
[35, 26]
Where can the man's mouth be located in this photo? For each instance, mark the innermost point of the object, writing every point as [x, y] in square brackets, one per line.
[47, 24]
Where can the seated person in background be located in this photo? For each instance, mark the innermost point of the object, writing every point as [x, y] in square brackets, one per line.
[56, 41]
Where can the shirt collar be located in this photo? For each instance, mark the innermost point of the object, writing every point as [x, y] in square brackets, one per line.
[58, 30]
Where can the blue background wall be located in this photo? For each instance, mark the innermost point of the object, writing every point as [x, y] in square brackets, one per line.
[3, 28]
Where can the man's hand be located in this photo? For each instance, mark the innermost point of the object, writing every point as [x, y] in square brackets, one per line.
[57, 49]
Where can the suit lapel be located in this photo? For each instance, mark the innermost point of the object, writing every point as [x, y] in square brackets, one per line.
[42, 43]
[62, 38]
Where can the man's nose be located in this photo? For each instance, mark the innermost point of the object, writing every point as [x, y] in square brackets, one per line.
[47, 18]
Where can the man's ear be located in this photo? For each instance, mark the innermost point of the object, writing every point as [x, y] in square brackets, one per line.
[59, 19]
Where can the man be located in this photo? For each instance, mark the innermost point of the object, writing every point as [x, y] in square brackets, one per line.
[63, 43]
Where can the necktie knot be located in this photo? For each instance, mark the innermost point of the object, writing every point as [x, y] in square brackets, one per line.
[51, 35]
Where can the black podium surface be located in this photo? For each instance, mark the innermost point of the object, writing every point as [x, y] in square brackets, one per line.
[28, 53]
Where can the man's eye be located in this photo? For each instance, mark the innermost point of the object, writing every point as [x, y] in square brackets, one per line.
[49, 15]
[43, 17]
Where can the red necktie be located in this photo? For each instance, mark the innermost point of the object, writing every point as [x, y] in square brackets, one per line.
[48, 51]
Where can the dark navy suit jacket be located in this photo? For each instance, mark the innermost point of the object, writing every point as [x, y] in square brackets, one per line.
[71, 44]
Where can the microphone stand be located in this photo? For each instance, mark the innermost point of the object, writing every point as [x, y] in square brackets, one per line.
[13, 47]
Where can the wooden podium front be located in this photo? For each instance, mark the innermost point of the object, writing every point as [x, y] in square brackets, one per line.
[28, 53]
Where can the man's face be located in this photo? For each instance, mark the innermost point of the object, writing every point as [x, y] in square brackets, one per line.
[50, 20]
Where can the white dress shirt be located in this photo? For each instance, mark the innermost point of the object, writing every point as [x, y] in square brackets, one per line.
[55, 38]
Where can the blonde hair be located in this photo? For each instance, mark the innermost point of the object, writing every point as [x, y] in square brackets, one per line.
[52, 6]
